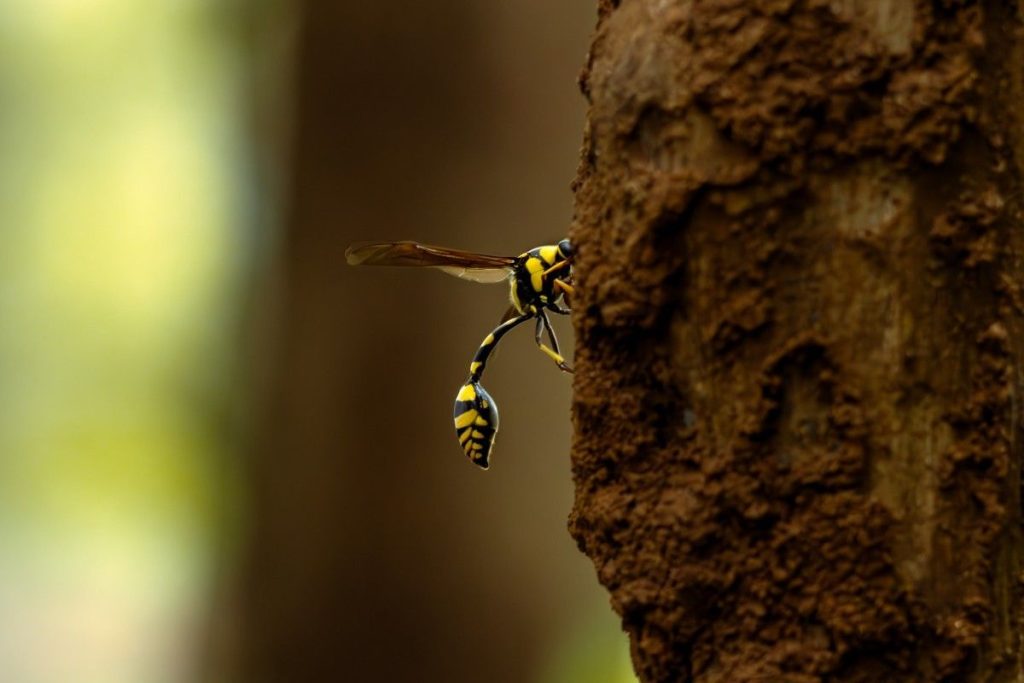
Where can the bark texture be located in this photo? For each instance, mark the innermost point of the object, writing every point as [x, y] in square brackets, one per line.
[799, 337]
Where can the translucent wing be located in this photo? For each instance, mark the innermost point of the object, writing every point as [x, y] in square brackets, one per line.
[484, 275]
[463, 264]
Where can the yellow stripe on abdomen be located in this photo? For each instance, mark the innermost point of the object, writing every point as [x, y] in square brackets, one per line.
[467, 418]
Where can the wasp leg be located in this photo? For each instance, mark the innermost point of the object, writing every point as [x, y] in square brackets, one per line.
[566, 289]
[476, 368]
[543, 324]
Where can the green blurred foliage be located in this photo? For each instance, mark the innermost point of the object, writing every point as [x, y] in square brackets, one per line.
[592, 653]
[119, 256]
[128, 229]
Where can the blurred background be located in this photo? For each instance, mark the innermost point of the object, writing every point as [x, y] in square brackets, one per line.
[224, 455]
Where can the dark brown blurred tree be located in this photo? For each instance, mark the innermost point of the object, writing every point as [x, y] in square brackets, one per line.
[377, 552]
[329, 593]
[800, 334]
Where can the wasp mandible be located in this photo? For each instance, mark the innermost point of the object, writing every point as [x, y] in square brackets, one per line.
[540, 280]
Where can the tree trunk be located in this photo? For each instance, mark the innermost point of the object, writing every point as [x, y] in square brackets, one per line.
[800, 326]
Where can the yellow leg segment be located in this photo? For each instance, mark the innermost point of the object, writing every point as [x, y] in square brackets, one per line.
[559, 361]
[543, 324]
[568, 289]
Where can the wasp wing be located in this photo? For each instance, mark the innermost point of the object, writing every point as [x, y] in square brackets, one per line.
[484, 275]
[463, 264]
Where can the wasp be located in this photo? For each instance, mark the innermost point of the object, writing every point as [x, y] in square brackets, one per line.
[540, 281]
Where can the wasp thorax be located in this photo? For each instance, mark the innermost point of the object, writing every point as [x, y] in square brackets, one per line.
[476, 422]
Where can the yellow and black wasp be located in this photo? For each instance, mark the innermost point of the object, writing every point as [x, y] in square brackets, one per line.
[540, 280]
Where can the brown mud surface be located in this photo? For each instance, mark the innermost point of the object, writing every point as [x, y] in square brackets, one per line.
[799, 330]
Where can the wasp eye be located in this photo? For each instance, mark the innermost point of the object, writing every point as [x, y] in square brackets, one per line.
[565, 248]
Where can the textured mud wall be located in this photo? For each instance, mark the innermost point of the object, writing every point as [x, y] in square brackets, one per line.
[799, 329]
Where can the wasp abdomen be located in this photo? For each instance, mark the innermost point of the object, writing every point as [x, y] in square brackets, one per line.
[476, 422]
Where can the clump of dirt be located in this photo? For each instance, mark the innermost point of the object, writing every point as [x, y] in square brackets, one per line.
[964, 230]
